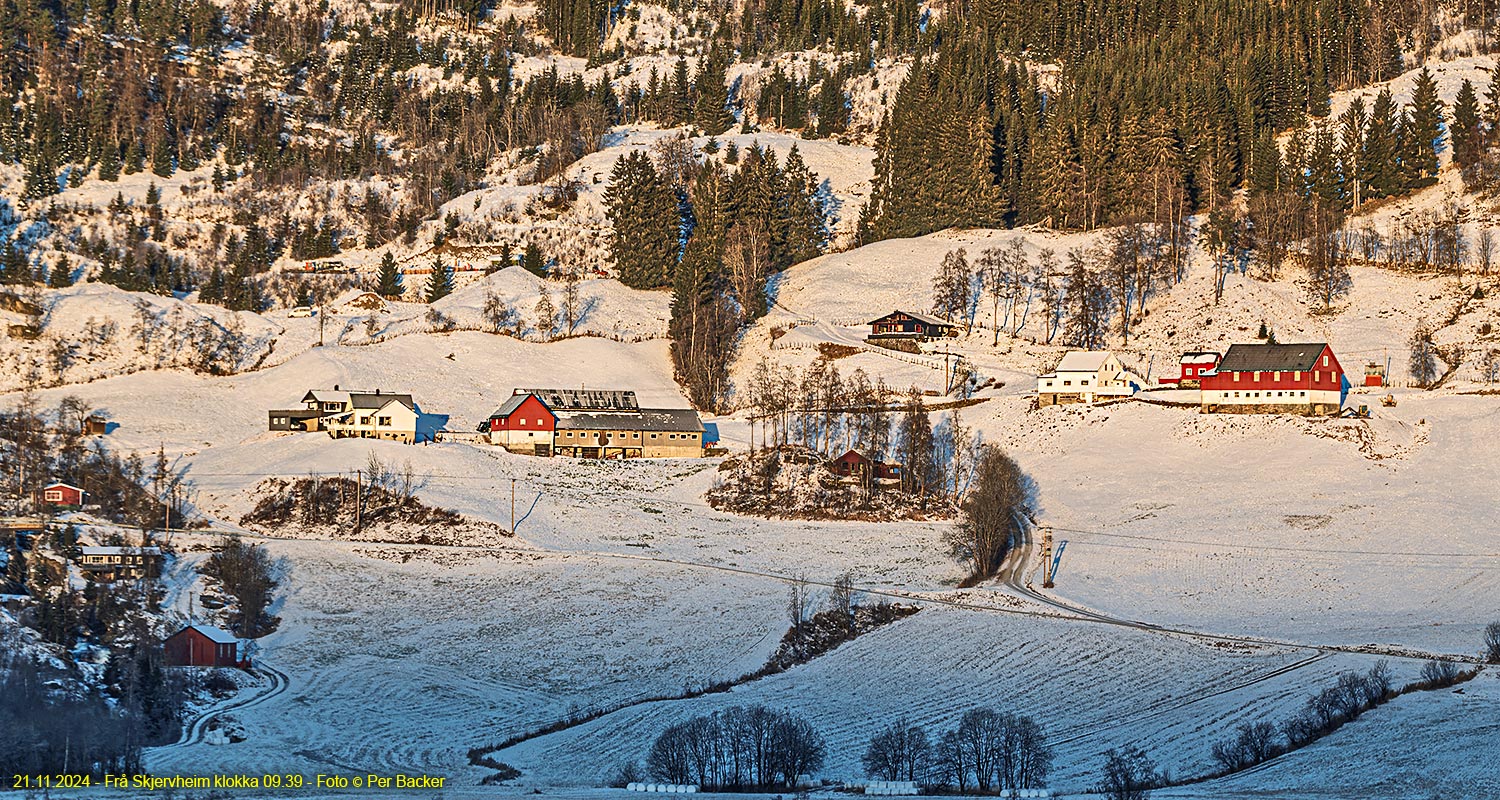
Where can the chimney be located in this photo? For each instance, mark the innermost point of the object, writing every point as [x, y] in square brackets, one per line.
[377, 391]
[335, 387]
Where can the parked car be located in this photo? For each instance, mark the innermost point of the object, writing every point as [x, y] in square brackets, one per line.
[300, 311]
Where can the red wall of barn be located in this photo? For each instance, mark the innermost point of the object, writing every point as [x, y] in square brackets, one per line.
[531, 415]
[1328, 378]
[70, 497]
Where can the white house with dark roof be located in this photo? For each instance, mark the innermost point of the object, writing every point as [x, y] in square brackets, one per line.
[1085, 376]
[352, 414]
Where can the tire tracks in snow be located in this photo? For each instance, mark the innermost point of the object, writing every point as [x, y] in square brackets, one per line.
[196, 729]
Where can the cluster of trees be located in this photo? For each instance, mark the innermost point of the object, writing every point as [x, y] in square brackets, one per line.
[742, 747]
[715, 237]
[822, 410]
[986, 751]
[38, 445]
[1208, 85]
[246, 572]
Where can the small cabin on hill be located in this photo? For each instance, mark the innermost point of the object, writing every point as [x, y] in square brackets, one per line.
[1301, 379]
[201, 646]
[63, 495]
[1085, 376]
[911, 325]
[855, 466]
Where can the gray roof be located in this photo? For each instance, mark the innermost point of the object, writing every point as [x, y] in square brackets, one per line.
[1271, 357]
[676, 420]
[923, 318]
[326, 396]
[585, 399]
[376, 400]
[509, 406]
[119, 551]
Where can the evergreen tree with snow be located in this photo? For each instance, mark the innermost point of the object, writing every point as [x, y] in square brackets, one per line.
[388, 281]
[109, 162]
[711, 107]
[439, 282]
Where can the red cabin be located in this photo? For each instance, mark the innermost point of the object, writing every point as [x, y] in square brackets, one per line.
[62, 494]
[854, 464]
[201, 646]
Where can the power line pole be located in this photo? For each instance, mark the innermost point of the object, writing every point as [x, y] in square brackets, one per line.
[358, 497]
[1046, 558]
[513, 506]
[320, 325]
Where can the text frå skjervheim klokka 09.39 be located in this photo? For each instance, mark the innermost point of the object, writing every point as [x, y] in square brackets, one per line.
[153, 783]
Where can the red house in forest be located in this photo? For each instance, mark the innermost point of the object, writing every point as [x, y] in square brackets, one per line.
[201, 646]
[62, 494]
[524, 424]
[854, 464]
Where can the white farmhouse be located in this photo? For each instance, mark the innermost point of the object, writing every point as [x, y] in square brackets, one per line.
[374, 415]
[1086, 376]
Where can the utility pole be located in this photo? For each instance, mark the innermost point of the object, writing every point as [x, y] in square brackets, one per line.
[1046, 558]
[513, 506]
[320, 325]
[358, 497]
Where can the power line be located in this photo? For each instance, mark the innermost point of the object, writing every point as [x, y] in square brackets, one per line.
[1278, 548]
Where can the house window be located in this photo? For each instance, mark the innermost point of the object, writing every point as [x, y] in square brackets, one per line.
[635, 435]
[1317, 375]
[1236, 377]
[1325, 361]
[1297, 375]
[1277, 376]
[364, 420]
[1067, 383]
[653, 436]
[1304, 394]
[384, 421]
[1257, 376]
[671, 436]
[53, 496]
[1085, 382]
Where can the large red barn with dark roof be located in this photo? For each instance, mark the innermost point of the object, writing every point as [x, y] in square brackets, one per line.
[1276, 378]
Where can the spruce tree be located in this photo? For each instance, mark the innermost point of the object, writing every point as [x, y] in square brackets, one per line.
[711, 109]
[1425, 132]
[388, 283]
[533, 261]
[1381, 168]
[61, 276]
[643, 212]
[1468, 138]
[439, 282]
[109, 162]
[161, 159]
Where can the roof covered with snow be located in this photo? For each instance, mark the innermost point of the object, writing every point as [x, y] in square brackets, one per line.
[682, 420]
[1083, 361]
[218, 635]
[119, 551]
[585, 399]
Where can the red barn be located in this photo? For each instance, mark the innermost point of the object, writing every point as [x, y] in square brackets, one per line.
[1193, 366]
[524, 424]
[62, 494]
[201, 646]
[1276, 378]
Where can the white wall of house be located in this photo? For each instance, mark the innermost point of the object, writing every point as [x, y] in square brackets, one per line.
[1105, 380]
[391, 421]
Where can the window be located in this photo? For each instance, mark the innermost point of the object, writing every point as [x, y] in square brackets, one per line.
[384, 421]
[1085, 382]
[1297, 375]
[364, 420]
[1277, 376]
[635, 435]
[1236, 377]
[1317, 375]
[1304, 394]
[1257, 376]
[653, 436]
[1325, 361]
[671, 436]
[1067, 383]
[53, 496]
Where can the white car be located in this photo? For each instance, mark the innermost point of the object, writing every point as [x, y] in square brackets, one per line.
[300, 311]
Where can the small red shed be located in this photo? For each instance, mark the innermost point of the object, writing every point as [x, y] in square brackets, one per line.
[62, 494]
[201, 646]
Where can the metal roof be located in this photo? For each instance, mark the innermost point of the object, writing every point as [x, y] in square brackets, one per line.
[676, 420]
[585, 399]
[1271, 357]
[509, 406]
[326, 396]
